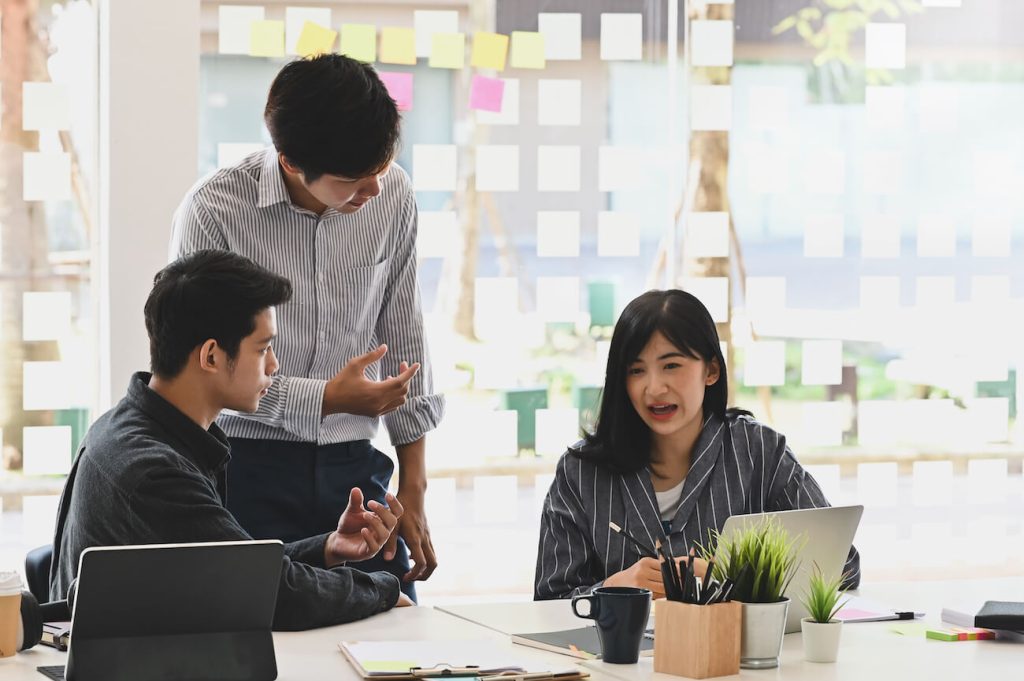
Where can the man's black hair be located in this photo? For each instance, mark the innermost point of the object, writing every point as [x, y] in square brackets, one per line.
[331, 115]
[208, 294]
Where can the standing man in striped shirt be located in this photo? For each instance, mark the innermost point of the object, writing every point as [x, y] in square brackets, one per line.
[328, 208]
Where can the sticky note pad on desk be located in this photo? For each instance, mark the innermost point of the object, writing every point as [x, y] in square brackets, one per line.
[960, 634]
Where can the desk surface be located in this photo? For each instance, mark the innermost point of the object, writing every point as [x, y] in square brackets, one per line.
[867, 651]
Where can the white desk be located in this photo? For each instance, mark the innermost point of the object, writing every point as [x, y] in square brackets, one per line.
[868, 651]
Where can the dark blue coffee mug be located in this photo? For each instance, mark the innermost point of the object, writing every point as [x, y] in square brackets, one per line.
[621, 614]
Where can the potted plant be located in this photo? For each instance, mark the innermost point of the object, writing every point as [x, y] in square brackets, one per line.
[761, 560]
[821, 630]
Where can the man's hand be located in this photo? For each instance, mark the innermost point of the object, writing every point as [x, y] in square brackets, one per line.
[645, 573]
[351, 392]
[361, 532]
[413, 529]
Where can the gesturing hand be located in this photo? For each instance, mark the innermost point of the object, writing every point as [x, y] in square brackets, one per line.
[351, 392]
[362, 531]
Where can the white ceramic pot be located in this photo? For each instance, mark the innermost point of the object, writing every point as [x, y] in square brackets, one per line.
[762, 629]
[821, 641]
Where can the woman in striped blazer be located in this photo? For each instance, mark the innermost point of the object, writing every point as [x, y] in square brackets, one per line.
[667, 460]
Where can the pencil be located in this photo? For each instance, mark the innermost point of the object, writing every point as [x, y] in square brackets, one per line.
[643, 548]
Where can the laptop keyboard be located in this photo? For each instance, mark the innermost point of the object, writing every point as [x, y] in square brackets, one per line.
[56, 672]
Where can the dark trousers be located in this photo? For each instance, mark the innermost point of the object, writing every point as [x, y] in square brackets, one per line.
[293, 490]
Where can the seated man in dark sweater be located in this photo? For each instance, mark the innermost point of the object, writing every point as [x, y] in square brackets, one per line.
[152, 469]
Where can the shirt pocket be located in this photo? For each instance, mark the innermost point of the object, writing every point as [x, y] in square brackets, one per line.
[357, 306]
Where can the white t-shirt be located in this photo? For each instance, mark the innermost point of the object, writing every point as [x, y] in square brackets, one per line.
[668, 501]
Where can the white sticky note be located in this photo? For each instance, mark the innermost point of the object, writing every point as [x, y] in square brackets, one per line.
[933, 483]
[885, 106]
[46, 315]
[707, 235]
[39, 517]
[825, 172]
[986, 481]
[558, 168]
[879, 293]
[235, 27]
[767, 170]
[45, 106]
[877, 483]
[765, 295]
[711, 43]
[936, 236]
[989, 418]
[440, 504]
[558, 298]
[618, 234]
[620, 167]
[885, 46]
[765, 363]
[558, 233]
[47, 450]
[559, 102]
[52, 385]
[230, 153]
[496, 302]
[428, 22]
[824, 235]
[713, 292]
[622, 37]
[991, 288]
[509, 114]
[556, 429]
[497, 168]
[880, 236]
[823, 424]
[437, 231]
[562, 35]
[296, 17]
[994, 173]
[433, 167]
[883, 173]
[47, 176]
[768, 108]
[822, 362]
[990, 237]
[935, 291]
[495, 499]
[938, 109]
[711, 107]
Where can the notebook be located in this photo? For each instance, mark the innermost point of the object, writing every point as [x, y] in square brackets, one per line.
[1005, 617]
[582, 643]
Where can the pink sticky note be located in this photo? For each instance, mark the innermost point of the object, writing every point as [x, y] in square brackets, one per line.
[486, 94]
[399, 86]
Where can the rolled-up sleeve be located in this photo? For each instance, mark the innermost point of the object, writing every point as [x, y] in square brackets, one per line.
[564, 553]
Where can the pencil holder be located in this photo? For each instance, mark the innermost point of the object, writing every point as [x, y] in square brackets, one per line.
[697, 641]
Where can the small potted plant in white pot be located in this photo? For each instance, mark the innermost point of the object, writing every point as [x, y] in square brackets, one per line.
[820, 631]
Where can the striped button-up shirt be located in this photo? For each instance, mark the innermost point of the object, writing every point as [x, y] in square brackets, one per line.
[577, 549]
[354, 282]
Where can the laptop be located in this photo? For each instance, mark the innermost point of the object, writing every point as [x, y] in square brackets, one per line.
[829, 533]
[176, 611]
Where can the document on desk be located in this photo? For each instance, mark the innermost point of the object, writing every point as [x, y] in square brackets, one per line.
[862, 610]
[400, 660]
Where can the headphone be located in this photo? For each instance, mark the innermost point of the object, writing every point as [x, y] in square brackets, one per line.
[34, 614]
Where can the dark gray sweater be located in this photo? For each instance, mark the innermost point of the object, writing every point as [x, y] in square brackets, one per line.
[148, 474]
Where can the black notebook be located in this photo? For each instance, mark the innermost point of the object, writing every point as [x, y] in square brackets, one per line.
[1001, 615]
[582, 643]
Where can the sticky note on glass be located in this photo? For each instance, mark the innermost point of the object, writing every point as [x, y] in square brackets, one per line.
[359, 41]
[936, 236]
[555, 430]
[448, 50]
[234, 27]
[880, 236]
[45, 106]
[990, 237]
[765, 295]
[436, 232]
[558, 298]
[823, 424]
[619, 167]
[429, 22]
[527, 50]
[884, 106]
[47, 450]
[315, 39]
[558, 168]
[935, 292]
[486, 94]
[400, 87]
[765, 363]
[879, 293]
[622, 37]
[398, 45]
[46, 176]
[707, 235]
[767, 169]
[618, 234]
[711, 107]
[433, 167]
[558, 234]
[885, 46]
[509, 114]
[497, 168]
[824, 235]
[295, 19]
[712, 42]
[40, 381]
[825, 172]
[266, 39]
[883, 173]
[559, 102]
[495, 302]
[562, 35]
[46, 315]
[490, 50]
[822, 362]
[713, 292]
[768, 108]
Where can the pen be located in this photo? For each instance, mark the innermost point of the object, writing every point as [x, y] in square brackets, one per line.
[644, 548]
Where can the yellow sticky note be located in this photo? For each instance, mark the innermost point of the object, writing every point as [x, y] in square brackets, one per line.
[266, 39]
[398, 45]
[448, 50]
[359, 41]
[527, 50]
[315, 39]
[489, 51]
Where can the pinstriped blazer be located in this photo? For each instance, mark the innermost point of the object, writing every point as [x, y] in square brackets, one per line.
[577, 550]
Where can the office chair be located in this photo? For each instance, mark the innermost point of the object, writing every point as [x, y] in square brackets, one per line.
[37, 572]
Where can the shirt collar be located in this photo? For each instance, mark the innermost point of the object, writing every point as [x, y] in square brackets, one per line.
[207, 449]
[271, 185]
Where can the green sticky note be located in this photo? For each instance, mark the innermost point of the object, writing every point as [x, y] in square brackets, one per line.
[942, 635]
[399, 666]
[528, 50]
[909, 629]
[266, 39]
[359, 41]
[448, 50]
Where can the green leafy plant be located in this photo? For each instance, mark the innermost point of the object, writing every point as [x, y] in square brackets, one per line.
[821, 598]
[761, 559]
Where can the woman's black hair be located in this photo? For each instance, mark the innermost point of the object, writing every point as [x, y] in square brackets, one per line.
[621, 440]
